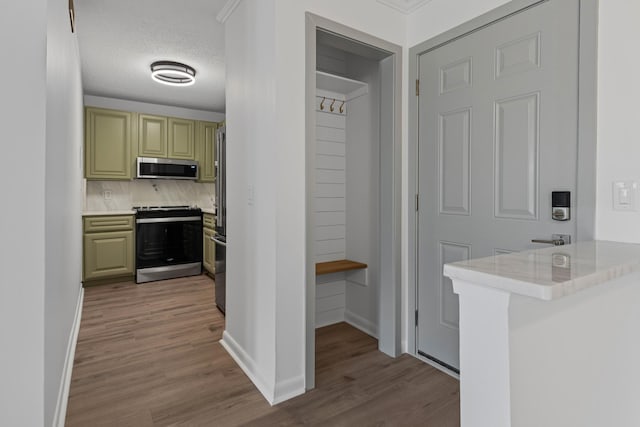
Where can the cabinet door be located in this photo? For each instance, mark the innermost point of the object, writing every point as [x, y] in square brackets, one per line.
[108, 254]
[181, 139]
[206, 143]
[208, 250]
[152, 136]
[107, 144]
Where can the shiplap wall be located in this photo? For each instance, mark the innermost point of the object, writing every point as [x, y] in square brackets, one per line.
[330, 203]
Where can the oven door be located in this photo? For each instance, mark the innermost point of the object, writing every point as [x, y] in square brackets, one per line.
[168, 241]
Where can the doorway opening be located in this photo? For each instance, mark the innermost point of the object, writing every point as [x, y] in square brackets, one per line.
[353, 185]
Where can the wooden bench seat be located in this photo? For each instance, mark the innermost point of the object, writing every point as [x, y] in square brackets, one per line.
[338, 266]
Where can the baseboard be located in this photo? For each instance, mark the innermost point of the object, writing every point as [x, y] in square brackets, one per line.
[330, 317]
[287, 389]
[361, 323]
[65, 381]
[248, 366]
[277, 393]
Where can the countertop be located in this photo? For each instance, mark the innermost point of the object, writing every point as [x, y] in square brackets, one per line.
[550, 273]
[131, 212]
[103, 213]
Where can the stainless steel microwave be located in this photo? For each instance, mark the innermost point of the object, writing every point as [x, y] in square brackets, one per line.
[151, 167]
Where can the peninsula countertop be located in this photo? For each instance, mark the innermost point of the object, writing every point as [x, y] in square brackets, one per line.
[550, 273]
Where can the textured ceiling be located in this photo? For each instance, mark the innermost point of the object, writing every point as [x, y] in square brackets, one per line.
[119, 39]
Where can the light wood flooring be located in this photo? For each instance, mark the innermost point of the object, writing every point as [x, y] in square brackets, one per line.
[148, 355]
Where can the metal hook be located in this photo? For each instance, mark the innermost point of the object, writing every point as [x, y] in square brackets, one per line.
[322, 103]
[342, 107]
[331, 106]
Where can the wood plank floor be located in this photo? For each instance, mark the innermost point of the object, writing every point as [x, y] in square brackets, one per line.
[148, 355]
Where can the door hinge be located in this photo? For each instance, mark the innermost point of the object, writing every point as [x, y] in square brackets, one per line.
[416, 317]
[417, 87]
[417, 202]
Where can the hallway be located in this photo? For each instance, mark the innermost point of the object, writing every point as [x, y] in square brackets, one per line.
[148, 355]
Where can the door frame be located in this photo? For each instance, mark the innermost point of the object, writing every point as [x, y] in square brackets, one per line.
[389, 296]
[585, 202]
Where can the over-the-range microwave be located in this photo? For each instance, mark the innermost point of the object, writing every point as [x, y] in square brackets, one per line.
[151, 167]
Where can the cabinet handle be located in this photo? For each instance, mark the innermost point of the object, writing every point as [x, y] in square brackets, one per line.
[555, 242]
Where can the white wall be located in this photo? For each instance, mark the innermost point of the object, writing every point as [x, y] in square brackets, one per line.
[265, 45]
[41, 114]
[438, 16]
[63, 200]
[618, 90]
[363, 196]
[22, 218]
[330, 208]
[251, 206]
[618, 111]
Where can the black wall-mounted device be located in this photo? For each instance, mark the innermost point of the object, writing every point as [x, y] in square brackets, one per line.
[561, 205]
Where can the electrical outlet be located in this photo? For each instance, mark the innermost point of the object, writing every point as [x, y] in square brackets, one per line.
[106, 194]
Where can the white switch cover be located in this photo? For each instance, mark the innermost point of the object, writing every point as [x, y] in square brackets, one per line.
[625, 196]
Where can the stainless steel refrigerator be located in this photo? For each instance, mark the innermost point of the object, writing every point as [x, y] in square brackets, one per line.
[220, 236]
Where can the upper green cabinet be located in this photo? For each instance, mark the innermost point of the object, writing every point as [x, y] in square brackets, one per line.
[160, 136]
[206, 143]
[182, 139]
[108, 144]
[152, 136]
[113, 140]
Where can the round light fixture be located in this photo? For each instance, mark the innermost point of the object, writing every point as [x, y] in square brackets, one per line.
[173, 73]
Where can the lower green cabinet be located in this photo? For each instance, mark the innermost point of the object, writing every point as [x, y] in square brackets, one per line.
[208, 246]
[108, 247]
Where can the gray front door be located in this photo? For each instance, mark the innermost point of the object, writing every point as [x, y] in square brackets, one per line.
[498, 114]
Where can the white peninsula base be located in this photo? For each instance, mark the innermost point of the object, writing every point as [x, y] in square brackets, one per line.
[550, 337]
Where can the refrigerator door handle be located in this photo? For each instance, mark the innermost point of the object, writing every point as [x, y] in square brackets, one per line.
[219, 242]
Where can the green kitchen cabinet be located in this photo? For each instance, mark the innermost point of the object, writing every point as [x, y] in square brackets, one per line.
[108, 247]
[108, 144]
[206, 145]
[208, 246]
[181, 139]
[152, 136]
[166, 137]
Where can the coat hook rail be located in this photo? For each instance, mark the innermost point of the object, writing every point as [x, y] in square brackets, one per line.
[332, 107]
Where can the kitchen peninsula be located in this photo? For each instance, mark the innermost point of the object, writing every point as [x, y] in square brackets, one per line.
[550, 337]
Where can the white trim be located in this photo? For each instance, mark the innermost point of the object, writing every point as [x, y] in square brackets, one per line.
[65, 383]
[361, 323]
[248, 366]
[436, 365]
[227, 10]
[407, 6]
[287, 389]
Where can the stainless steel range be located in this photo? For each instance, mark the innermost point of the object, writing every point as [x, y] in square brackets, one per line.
[168, 242]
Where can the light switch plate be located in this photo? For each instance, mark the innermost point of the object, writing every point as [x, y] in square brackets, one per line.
[625, 196]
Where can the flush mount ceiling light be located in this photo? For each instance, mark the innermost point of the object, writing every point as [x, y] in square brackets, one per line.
[173, 73]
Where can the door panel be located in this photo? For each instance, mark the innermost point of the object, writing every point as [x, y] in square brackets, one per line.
[497, 129]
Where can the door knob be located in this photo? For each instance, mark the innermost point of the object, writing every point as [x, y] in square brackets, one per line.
[556, 240]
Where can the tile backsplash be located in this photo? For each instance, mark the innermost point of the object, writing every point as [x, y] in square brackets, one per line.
[122, 195]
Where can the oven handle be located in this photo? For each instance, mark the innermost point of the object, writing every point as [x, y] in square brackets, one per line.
[220, 242]
[171, 219]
